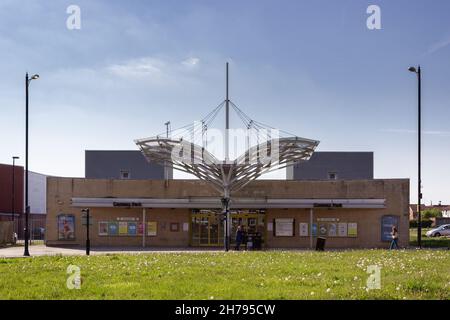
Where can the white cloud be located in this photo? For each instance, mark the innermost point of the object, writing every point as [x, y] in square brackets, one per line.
[142, 67]
[191, 62]
[438, 46]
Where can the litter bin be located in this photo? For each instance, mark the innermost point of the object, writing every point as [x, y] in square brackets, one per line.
[320, 244]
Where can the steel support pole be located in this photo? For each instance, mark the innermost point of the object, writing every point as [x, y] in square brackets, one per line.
[227, 118]
[88, 241]
[27, 205]
[419, 159]
[13, 209]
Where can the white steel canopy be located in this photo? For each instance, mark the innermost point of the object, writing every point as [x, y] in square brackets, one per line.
[266, 149]
[227, 175]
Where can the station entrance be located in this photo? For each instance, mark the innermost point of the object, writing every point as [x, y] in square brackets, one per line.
[207, 226]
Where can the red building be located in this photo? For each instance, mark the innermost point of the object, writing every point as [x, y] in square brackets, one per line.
[6, 191]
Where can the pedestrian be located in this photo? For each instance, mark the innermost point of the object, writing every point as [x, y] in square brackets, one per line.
[239, 237]
[394, 234]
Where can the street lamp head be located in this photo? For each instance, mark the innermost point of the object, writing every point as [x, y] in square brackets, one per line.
[15, 157]
[412, 69]
[35, 77]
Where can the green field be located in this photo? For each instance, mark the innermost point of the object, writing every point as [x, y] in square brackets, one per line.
[435, 242]
[409, 274]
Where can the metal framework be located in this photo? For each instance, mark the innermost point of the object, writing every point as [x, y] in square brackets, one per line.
[179, 149]
[227, 176]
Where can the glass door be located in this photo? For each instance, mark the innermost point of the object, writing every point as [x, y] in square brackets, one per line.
[207, 229]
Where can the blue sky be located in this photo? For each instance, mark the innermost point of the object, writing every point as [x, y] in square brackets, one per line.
[308, 67]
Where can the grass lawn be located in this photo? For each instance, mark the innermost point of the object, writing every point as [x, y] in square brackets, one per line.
[410, 274]
[428, 242]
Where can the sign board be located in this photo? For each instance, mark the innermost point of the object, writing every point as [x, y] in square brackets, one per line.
[328, 219]
[303, 229]
[352, 229]
[332, 229]
[123, 228]
[66, 227]
[314, 229]
[103, 228]
[342, 229]
[284, 227]
[132, 228]
[84, 220]
[387, 222]
[113, 228]
[152, 228]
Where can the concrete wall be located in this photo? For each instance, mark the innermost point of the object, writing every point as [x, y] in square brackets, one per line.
[104, 164]
[395, 191]
[346, 165]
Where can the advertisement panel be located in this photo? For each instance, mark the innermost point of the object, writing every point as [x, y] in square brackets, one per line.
[151, 228]
[352, 229]
[303, 229]
[387, 222]
[284, 227]
[66, 227]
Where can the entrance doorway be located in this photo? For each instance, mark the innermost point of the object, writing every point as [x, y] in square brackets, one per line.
[207, 226]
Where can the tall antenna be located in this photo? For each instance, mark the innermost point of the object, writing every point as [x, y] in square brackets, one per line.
[227, 117]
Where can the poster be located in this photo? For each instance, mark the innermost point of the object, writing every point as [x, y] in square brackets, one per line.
[332, 230]
[113, 228]
[323, 229]
[314, 229]
[140, 228]
[284, 227]
[342, 229]
[66, 227]
[186, 226]
[387, 222]
[303, 229]
[123, 228]
[269, 226]
[103, 228]
[352, 229]
[151, 228]
[132, 228]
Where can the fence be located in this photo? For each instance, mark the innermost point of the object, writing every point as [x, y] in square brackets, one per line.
[36, 225]
[6, 232]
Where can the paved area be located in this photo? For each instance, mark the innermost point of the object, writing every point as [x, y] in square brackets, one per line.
[42, 250]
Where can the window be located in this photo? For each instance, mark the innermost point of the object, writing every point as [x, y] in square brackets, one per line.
[332, 175]
[124, 174]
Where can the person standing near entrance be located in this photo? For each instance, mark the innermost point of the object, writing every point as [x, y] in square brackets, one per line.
[239, 237]
[394, 234]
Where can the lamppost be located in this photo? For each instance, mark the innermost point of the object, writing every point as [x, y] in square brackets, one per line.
[88, 241]
[419, 142]
[27, 205]
[13, 209]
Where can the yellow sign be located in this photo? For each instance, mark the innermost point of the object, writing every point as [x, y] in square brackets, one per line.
[151, 228]
[352, 229]
[123, 228]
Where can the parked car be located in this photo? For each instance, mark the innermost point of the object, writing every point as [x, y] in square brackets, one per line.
[443, 230]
